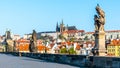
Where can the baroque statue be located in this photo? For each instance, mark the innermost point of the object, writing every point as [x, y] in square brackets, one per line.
[8, 41]
[99, 22]
[33, 42]
[99, 19]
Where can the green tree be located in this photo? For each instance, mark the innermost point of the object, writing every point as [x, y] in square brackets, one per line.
[71, 51]
[63, 50]
[86, 38]
[61, 36]
[72, 39]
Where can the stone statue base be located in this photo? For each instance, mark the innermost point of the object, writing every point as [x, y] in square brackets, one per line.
[100, 43]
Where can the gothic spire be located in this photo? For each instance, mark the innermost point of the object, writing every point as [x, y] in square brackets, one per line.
[57, 27]
[62, 22]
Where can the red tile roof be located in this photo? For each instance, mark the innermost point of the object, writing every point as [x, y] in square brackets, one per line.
[113, 31]
[78, 47]
[23, 41]
[16, 35]
[90, 32]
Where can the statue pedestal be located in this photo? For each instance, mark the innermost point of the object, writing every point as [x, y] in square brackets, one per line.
[100, 43]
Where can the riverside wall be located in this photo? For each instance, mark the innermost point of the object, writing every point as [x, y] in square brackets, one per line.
[77, 60]
[106, 62]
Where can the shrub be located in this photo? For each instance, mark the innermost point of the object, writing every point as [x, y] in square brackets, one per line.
[63, 50]
[71, 51]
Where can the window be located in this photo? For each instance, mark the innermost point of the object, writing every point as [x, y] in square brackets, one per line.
[79, 34]
[82, 34]
[111, 36]
[117, 36]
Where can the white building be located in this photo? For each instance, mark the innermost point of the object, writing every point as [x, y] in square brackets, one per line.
[16, 37]
[53, 34]
[27, 36]
[89, 35]
[111, 34]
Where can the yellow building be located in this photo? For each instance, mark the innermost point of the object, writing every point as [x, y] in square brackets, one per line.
[113, 49]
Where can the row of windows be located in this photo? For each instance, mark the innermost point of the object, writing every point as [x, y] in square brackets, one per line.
[111, 46]
[112, 36]
[112, 50]
[79, 34]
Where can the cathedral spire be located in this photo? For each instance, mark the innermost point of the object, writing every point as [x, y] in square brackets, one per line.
[62, 22]
[57, 28]
[62, 26]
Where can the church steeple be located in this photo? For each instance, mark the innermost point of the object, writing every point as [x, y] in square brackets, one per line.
[66, 28]
[8, 34]
[62, 26]
[57, 27]
[62, 22]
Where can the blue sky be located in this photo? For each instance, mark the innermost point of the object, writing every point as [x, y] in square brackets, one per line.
[22, 16]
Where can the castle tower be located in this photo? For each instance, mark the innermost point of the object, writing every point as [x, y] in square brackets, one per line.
[66, 28]
[8, 34]
[62, 27]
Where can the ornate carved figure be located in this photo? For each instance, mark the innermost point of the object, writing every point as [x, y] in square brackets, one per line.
[8, 41]
[33, 42]
[99, 22]
[99, 19]
[8, 35]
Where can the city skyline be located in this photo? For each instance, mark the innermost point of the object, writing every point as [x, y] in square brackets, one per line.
[21, 17]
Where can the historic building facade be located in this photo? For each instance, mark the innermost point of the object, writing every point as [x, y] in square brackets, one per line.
[113, 48]
[69, 31]
[61, 28]
[66, 31]
[111, 34]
